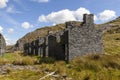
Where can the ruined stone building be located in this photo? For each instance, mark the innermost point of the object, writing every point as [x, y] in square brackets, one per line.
[2, 45]
[69, 43]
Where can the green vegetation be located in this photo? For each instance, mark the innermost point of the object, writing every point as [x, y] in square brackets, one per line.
[88, 67]
[47, 60]
[112, 43]
[111, 39]
[17, 59]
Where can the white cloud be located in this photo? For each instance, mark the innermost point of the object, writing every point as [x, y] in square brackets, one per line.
[11, 9]
[1, 29]
[64, 15]
[107, 15]
[95, 18]
[70, 15]
[58, 17]
[41, 1]
[10, 30]
[3, 3]
[9, 41]
[26, 25]
[79, 13]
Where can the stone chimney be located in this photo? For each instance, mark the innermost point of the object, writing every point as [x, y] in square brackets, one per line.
[88, 19]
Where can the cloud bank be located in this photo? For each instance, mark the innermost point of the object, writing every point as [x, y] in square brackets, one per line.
[64, 15]
[107, 15]
[76, 15]
[3, 3]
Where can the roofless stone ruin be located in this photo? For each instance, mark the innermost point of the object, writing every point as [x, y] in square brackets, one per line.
[2, 45]
[72, 42]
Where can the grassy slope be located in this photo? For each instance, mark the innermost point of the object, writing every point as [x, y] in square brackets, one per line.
[111, 38]
[41, 32]
[111, 44]
[88, 67]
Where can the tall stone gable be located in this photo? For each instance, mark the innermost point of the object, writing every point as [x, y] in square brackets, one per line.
[2, 45]
[84, 39]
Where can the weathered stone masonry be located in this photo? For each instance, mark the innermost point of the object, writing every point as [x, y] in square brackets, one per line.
[2, 45]
[69, 43]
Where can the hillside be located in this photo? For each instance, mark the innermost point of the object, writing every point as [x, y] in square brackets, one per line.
[111, 38]
[14, 66]
[111, 29]
[88, 67]
[41, 32]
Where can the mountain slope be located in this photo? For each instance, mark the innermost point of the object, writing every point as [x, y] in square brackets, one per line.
[110, 37]
[40, 32]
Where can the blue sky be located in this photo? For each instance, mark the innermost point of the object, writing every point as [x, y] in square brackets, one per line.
[18, 17]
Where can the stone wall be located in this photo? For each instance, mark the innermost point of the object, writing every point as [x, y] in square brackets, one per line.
[84, 39]
[57, 45]
[19, 45]
[2, 45]
[69, 43]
